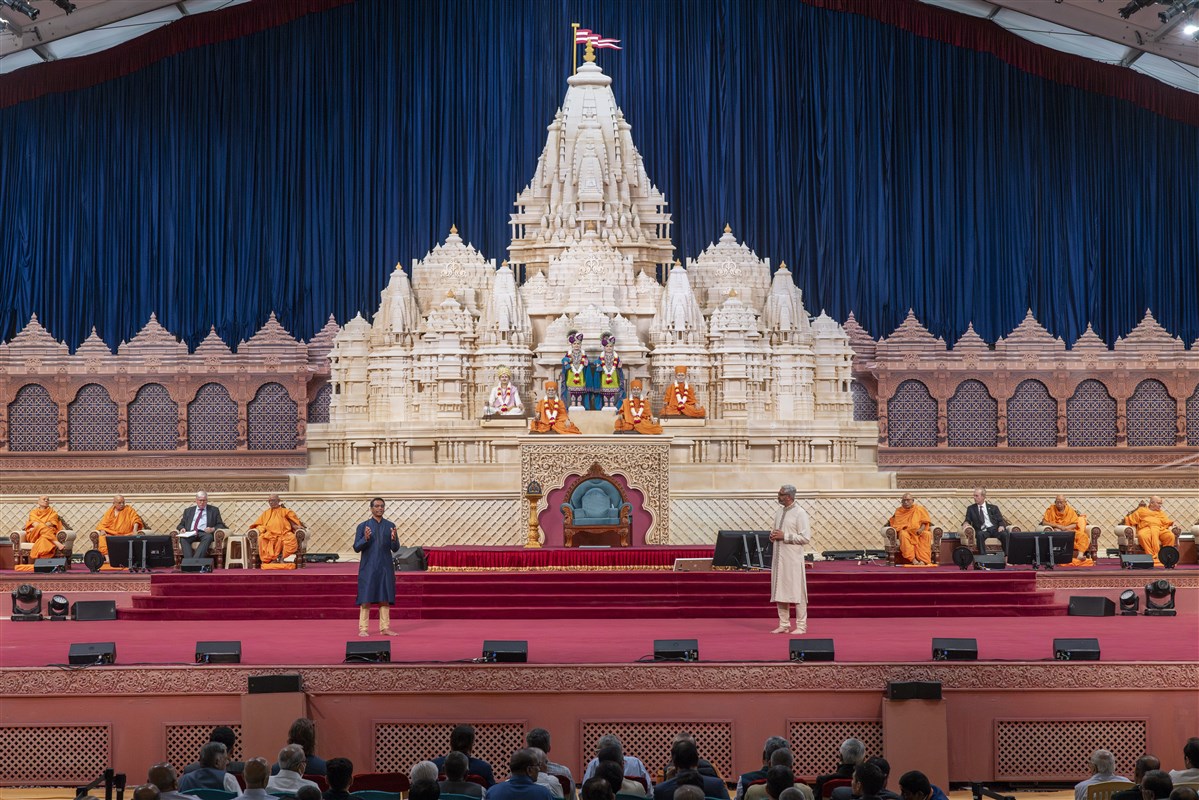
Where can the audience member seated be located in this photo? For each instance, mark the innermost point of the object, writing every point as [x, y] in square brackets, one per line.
[884, 766]
[544, 777]
[456, 765]
[1145, 763]
[340, 774]
[41, 530]
[633, 767]
[612, 771]
[794, 793]
[705, 767]
[522, 780]
[684, 756]
[779, 758]
[914, 785]
[596, 789]
[276, 528]
[1190, 758]
[778, 780]
[292, 766]
[303, 733]
[197, 527]
[256, 775]
[424, 789]
[225, 735]
[853, 752]
[1184, 793]
[773, 743]
[119, 520]
[1156, 785]
[1061, 516]
[867, 781]
[312, 793]
[423, 771]
[914, 529]
[688, 792]
[540, 738]
[462, 739]
[1103, 769]
[163, 776]
[147, 791]
[1154, 527]
[211, 773]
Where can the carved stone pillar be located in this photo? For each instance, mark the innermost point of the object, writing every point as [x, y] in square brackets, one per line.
[1180, 435]
[1001, 420]
[1061, 421]
[1121, 420]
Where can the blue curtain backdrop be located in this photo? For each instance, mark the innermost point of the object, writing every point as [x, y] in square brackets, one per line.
[291, 169]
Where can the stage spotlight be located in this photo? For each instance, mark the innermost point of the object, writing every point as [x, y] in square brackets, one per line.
[1130, 603]
[58, 608]
[1168, 556]
[65, 5]
[26, 603]
[963, 557]
[1159, 599]
[21, 6]
[1133, 7]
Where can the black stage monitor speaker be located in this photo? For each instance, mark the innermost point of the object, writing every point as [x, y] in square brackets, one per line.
[274, 684]
[1083, 606]
[495, 651]
[410, 559]
[196, 565]
[1076, 649]
[94, 610]
[811, 649]
[368, 652]
[914, 690]
[1129, 561]
[676, 650]
[218, 652]
[50, 565]
[990, 561]
[93, 653]
[742, 549]
[955, 649]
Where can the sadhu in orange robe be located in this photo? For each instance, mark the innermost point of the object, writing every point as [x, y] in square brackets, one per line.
[125, 522]
[276, 537]
[635, 415]
[680, 399]
[1153, 530]
[914, 545]
[41, 528]
[1068, 517]
[551, 414]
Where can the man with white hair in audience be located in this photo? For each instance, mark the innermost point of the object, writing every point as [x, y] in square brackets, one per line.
[211, 774]
[544, 777]
[1103, 769]
[423, 771]
[540, 738]
[256, 773]
[853, 752]
[633, 767]
[291, 771]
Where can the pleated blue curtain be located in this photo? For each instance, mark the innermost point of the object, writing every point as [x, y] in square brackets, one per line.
[291, 169]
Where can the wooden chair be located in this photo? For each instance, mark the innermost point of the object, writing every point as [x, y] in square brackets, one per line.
[596, 509]
[969, 539]
[301, 549]
[1129, 544]
[216, 550]
[21, 548]
[1105, 790]
[891, 543]
[1092, 549]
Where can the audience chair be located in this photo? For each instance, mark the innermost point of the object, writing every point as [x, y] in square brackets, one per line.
[395, 782]
[1105, 790]
[301, 548]
[216, 551]
[826, 791]
[320, 780]
[564, 782]
[891, 543]
[479, 779]
[210, 794]
[1129, 544]
[375, 794]
[22, 548]
[640, 779]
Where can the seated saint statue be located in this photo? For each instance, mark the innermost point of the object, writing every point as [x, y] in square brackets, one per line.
[551, 413]
[1061, 516]
[680, 398]
[41, 529]
[504, 399]
[277, 535]
[576, 373]
[634, 416]
[913, 526]
[120, 520]
[608, 376]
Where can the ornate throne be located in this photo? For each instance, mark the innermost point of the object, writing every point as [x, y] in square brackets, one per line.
[597, 511]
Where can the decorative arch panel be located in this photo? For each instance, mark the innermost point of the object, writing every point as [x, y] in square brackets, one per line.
[318, 407]
[865, 407]
[1031, 416]
[972, 416]
[153, 419]
[1091, 416]
[912, 416]
[271, 419]
[1193, 418]
[93, 420]
[32, 421]
[1151, 416]
[212, 419]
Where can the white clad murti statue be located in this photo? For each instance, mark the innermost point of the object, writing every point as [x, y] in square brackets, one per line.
[504, 399]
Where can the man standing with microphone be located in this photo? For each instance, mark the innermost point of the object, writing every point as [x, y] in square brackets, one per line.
[375, 541]
[792, 530]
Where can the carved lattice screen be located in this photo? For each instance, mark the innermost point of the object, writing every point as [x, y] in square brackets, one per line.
[53, 755]
[1061, 749]
[185, 740]
[650, 741]
[817, 745]
[399, 745]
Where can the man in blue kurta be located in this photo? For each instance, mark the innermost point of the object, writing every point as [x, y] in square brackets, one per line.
[375, 541]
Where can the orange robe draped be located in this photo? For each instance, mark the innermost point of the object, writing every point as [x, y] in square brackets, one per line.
[125, 522]
[41, 528]
[1068, 517]
[680, 401]
[1153, 530]
[914, 545]
[635, 416]
[276, 537]
[551, 416]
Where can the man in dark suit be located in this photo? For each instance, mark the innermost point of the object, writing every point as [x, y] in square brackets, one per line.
[987, 521]
[685, 757]
[198, 526]
[853, 752]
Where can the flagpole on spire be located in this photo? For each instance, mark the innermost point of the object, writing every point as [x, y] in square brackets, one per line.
[574, 47]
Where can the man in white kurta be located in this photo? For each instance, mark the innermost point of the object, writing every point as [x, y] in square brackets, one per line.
[792, 530]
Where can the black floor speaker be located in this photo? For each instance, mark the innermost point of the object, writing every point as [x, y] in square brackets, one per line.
[811, 650]
[1136, 561]
[50, 565]
[505, 652]
[991, 561]
[88, 653]
[196, 565]
[359, 651]
[1083, 606]
[1076, 649]
[955, 649]
[914, 690]
[274, 684]
[410, 559]
[94, 610]
[676, 650]
[218, 652]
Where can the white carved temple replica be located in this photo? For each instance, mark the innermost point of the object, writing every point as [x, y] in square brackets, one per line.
[591, 255]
